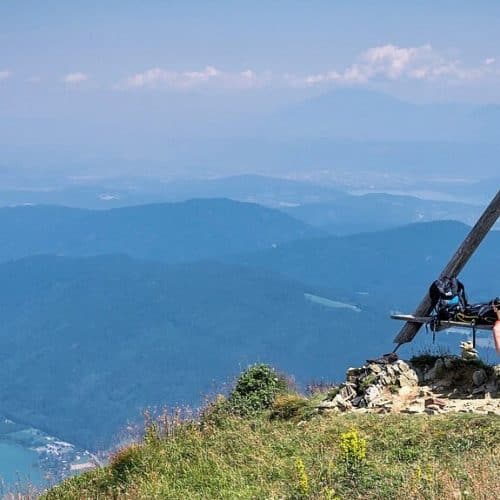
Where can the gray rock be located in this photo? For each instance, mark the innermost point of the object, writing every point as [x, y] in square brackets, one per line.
[348, 391]
[448, 362]
[357, 401]
[374, 368]
[479, 377]
[371, 394]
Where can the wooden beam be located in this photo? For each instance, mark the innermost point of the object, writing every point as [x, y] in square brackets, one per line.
[456, 264]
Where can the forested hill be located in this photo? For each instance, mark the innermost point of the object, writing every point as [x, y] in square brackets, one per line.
[171, 232]
[112, 335]
[391, 267]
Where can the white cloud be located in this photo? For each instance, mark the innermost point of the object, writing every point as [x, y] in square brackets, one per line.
[75, 78]
[390, 62]
[4, 74]
[161, 78]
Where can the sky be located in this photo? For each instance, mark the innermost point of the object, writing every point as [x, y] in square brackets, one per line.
[123, 78]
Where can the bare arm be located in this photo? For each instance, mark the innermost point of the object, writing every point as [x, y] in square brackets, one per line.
[497, 311]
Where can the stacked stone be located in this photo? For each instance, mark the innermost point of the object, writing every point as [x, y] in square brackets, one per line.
[396, 386]
[364, 387]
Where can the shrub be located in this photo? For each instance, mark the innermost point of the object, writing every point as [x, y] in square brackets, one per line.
[289, 406]
[256, 389]
[216, 412]
[126, 461]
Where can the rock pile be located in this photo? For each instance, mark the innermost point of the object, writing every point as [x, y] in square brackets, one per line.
[429, 384]
[371, 386]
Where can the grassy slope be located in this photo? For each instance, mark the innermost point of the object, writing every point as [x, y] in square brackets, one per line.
[453, 456]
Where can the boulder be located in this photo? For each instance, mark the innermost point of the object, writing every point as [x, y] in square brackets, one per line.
[479, 377]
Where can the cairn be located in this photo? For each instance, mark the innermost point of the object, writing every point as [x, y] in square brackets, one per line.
[429, 385]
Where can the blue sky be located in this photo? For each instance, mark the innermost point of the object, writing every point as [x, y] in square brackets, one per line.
[89, 75]
[102, 44]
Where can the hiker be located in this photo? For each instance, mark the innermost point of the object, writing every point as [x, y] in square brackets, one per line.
[496, 326]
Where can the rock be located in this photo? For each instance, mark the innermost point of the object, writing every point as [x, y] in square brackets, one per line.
[436, 371]
[353, 374]
[479, 377]
[405, 391]
[468, 351]
[326, 405]
[348, 391]
[479, 390]
[374, 368]
[357, 400]
[432, 409]
[438, 403]
[448, 362]
[409, 379]
[371, 394]
[413, 409]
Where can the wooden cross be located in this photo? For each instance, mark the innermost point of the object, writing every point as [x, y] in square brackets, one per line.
[456, 264]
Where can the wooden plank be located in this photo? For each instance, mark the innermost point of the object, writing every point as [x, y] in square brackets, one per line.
[444, 325]
[455, 265]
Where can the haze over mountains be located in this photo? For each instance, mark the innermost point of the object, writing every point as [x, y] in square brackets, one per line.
[191, 230]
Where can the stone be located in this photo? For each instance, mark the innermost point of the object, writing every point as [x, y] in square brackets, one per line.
[348, 391]
[357, 400]
[468, 351]
[414, 409]
[432, 409]
[371, 394]
[479, 377]
[448, 362]
[439, 403]
[342, 404]
[324, 405]
[353, 374]
[374, 368]
[405, 391]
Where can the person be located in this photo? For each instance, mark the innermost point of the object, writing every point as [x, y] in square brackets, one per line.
[496, 326]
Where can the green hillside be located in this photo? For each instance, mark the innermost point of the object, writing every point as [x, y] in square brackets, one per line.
[265, 442]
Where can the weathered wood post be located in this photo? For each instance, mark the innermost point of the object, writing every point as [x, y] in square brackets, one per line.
[456, 264]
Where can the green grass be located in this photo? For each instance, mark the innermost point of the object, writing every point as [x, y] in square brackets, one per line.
[448, 456]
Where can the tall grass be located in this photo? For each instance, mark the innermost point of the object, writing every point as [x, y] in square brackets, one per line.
[337, 456]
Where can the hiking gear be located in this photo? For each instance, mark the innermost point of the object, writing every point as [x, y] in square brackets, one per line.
[447, 297]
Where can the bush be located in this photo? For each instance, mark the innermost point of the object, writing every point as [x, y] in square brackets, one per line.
[289, 407]
[256, 389]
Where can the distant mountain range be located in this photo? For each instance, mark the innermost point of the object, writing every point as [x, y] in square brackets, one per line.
[372, 212]
[367, 115]
[171, 232]
[324, 207]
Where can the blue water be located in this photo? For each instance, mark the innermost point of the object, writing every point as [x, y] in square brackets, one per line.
[18, 466]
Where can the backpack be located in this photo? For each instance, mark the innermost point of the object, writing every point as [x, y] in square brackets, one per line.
[447, 297]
